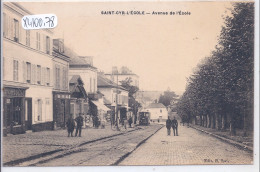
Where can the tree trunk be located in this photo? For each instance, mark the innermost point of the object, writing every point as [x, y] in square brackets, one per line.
[213, 121]
[223, 122]
[200, 120]
[232, 128]
[209, 121]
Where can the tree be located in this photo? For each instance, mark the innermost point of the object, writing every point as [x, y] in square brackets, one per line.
[167, 98]
[222, 86]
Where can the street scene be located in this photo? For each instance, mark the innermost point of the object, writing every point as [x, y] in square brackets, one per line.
[104, 85]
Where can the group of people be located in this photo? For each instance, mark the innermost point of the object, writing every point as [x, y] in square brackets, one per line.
[71, 125]
[172, 124]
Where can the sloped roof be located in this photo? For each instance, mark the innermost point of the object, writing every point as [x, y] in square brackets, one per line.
[102, 81]
[156, 105]
[75, 79]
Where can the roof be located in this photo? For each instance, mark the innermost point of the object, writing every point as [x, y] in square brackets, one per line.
[102, 81]
[156, 105]
[75, 79]
[76, 60]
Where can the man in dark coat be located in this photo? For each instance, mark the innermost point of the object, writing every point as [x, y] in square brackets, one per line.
[70, 125]
[168, 126]
[175, 126]
[79, 121]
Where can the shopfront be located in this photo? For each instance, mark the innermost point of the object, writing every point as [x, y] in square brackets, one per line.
[61, 108]
[14, 110]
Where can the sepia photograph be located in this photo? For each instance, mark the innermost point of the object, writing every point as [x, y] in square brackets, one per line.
[129, 83]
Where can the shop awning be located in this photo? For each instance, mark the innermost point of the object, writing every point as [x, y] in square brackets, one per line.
[100, 105]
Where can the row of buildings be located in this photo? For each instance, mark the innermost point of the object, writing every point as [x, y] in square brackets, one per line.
[44, 81]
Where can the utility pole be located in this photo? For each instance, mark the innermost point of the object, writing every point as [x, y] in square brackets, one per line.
[116, 107]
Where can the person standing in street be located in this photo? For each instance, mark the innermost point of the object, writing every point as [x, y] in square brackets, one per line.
[175, 126]
[168, 126]
[79, 121]
[70, 125]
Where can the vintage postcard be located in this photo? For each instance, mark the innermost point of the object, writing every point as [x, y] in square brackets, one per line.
[158, 83]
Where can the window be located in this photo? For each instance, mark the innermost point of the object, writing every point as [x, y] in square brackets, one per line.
[161, 110]
[38, 74]
[61, 47]
[47, 108]
[64, 79]
[27, 37]
[48, 75]
[47, 45]
[28, 72]
[39, 113]
[16, 30]
[5, 25]
[38, 41]
[15, 70]
[94, 83]
[72, 109]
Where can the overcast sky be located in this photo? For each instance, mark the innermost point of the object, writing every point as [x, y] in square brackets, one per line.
[162, 50]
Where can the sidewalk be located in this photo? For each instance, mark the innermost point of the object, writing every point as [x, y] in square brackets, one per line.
[245, 143]
[36, 144]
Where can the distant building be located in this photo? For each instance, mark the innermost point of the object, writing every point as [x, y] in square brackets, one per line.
[123, 74]
[145, 98]
[27, 74]
[158, 112]
[110, 90]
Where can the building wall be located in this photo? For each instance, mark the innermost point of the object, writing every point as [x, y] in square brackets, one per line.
[157, 112]
[88, 76]
[110, 94]
[60, 74]
[27, 63]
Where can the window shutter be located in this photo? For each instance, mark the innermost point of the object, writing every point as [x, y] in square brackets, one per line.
[20, 36]
[35, 110]
[51, 76]
[44, 43]
[24, 72]
[42, 76]
[34, 75]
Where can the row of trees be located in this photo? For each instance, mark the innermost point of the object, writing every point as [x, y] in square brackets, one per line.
[220, 93]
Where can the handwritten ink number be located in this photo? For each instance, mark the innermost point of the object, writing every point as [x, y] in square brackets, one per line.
[50, 21]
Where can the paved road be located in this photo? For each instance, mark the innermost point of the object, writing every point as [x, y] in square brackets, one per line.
[190, 147]
[102, 152]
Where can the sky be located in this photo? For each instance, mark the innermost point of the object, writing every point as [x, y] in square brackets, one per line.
[163, 50]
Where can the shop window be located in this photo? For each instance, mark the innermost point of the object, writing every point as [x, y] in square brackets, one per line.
[17, 111]
[28, 72]
[15, 70]
[38, 74]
